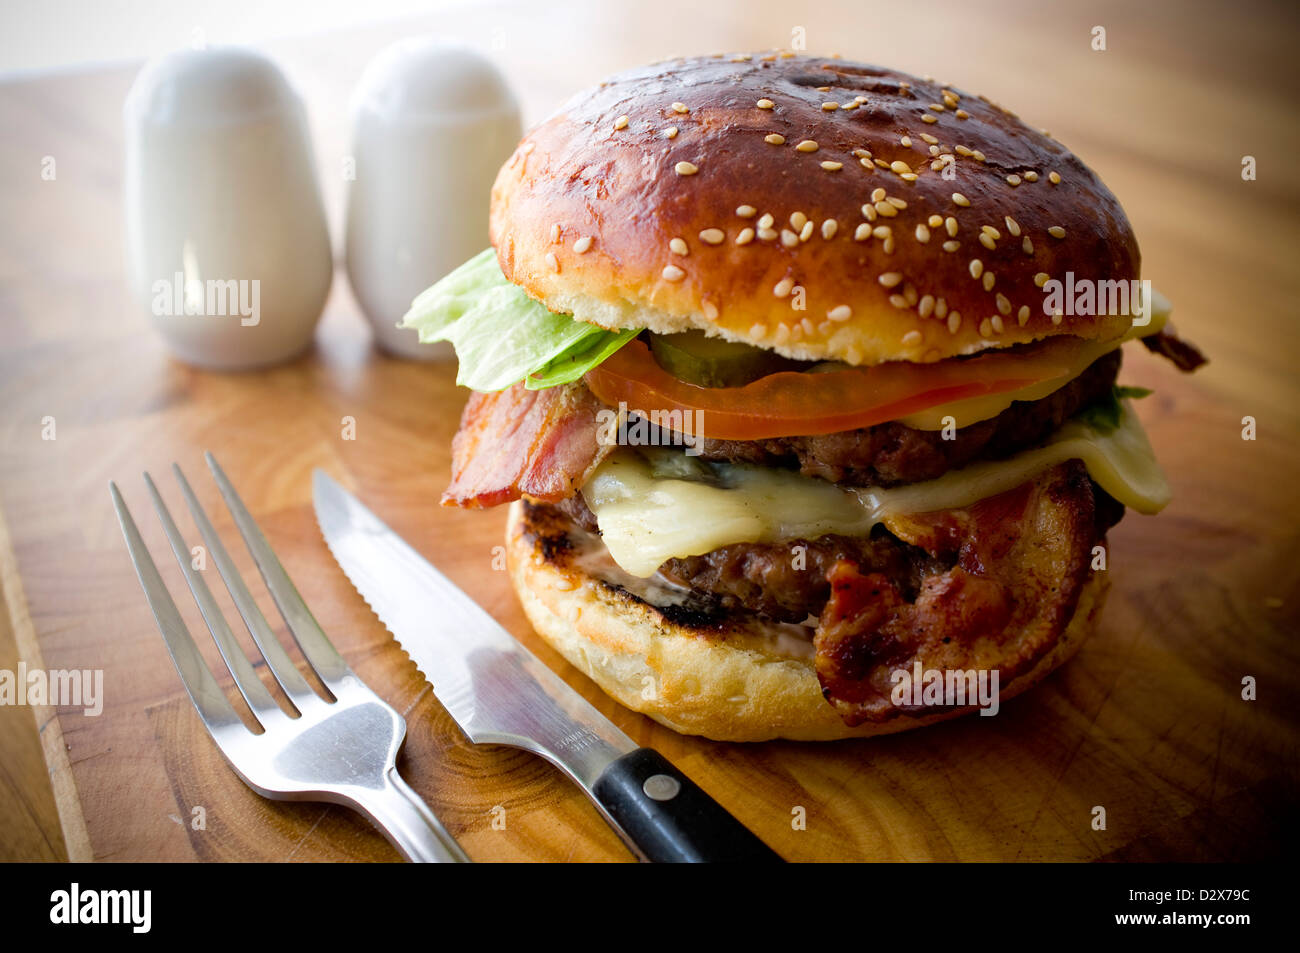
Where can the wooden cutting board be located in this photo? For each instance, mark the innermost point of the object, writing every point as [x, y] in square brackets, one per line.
[1148, 721]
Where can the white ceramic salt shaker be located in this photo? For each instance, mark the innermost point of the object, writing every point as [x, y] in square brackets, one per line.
[228, 249]
[432, 122]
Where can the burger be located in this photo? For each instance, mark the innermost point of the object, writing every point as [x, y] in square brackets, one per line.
[799, 378]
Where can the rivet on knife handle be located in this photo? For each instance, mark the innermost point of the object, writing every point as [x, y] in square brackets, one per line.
[669, 818]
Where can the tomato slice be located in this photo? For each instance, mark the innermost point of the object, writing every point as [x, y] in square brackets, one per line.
[793, 403]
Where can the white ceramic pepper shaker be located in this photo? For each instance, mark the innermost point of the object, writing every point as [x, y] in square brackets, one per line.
[433, 121]
[226, 237]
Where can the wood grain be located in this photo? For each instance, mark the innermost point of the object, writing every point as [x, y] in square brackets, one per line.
[1147, 721]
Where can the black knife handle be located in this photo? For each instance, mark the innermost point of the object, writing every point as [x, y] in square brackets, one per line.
[669, 818]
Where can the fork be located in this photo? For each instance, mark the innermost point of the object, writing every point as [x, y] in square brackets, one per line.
[342, 750]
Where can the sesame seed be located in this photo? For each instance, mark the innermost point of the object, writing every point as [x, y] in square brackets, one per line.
[882, 231]
[713, 236]
[620, 122]
[783, 287]
[774, 139]
[1012, 226]
[976, 267]
[1056, 318]
[850, 105]
[922, 234]
[710, 310]
[582, 244]
[686, 168]
[555, 233]
[963, 151]
[954, 322]
[911, 338]
[825, 328]
[832, 166]
[936, 107]
[806, 232]
[962, 114]
[745, 237]
[1041, 278]
[929, 138]
[987, 241]
[866, 164]
[950, 224]
[807, 326]
[909, 294]
[951, 246]
[1004, 306]
[765, 104]
[1031, 176]
[670, 132]
[840, 313]
[928, 118]
[926, 307]
[680, 108]
[885, 209]
[906, 141]
[766, 234]
[788, 238]
[862, 232]
[898, 301]
[941, 308]
[808, 145]
[878, 195]
[766, 221]
[860, 99]
[746, 211]
[757, 331]
[881, 162]
[862, 153]
[1028, 246]
[908, 176]
[996, 321]
[890, 278]
[991, 231]
[553, 261]
[961, 200]
[673, 273]
[937, 164]
[830, 107]
[1022, 316]
[986, 328]
[823, 89]
[782, 334]
[1013, 179]
[797, 219]
[887, 246]
[896, 202]
[989, 278]
[678, 247]
[1054, 178]
[1056, 231]
[977, 155]
[899, 166]
[829, 227]
[869, 213]
[936, 221]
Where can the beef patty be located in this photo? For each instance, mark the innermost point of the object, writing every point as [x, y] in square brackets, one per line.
[892, 453]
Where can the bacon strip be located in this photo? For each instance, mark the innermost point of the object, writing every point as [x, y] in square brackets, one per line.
[1184, 355]
[1021, 560]
[541, 444]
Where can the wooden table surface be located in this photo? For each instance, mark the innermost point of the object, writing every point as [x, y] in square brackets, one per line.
[1148, 721]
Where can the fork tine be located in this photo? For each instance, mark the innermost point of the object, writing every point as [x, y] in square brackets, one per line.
[246, 680]
[202, 688]
[281, 666]
[320, 653]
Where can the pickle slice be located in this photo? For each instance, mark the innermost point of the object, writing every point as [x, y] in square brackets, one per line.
[712, 362]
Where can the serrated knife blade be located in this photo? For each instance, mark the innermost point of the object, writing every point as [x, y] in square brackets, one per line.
[498, 692]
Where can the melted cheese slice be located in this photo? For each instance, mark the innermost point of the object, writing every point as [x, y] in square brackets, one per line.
[653, 504]
[975, 409]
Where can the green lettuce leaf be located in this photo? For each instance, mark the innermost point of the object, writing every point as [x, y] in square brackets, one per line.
[1104, 415]
[501, 335]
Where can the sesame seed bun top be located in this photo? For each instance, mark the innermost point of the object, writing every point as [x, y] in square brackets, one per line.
[817, 207]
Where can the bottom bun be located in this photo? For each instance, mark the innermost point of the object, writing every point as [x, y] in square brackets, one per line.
[696, 670]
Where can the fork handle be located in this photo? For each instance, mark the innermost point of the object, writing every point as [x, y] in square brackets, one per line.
[409, 824]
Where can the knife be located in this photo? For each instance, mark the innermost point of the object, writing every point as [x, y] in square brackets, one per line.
[498, 692]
